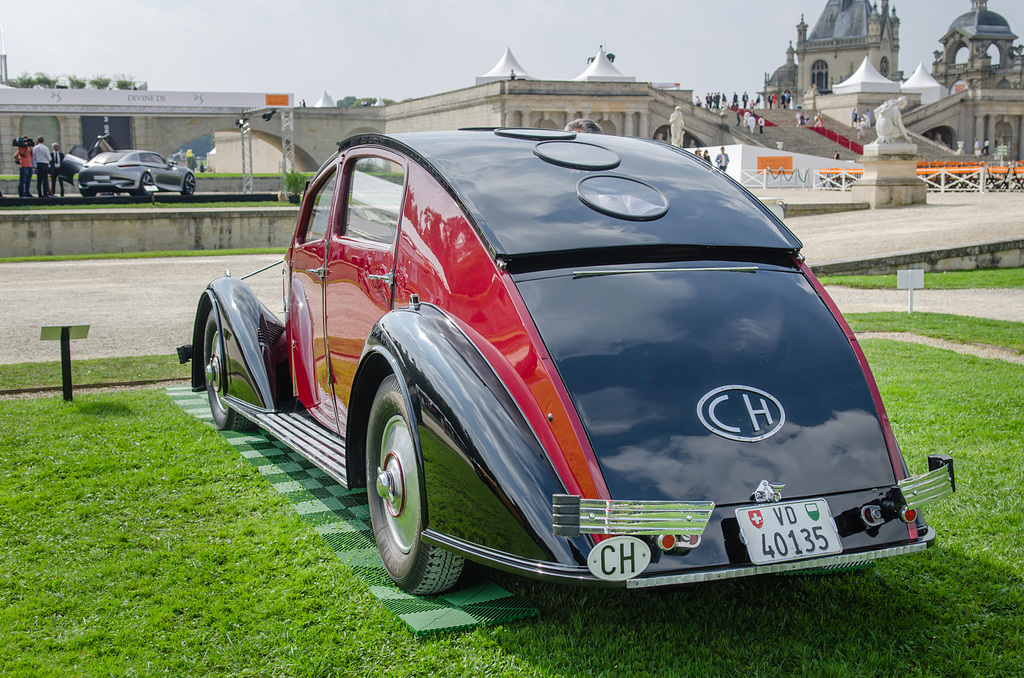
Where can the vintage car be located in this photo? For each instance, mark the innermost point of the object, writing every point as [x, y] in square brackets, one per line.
[586, 359]
[135, 172]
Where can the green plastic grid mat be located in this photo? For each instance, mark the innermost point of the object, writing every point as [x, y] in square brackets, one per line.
[342, 519]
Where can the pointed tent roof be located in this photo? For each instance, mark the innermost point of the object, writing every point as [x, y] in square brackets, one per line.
[325, 101]
[503, 69]
[922, 82]
[602, 70]
[866, 79]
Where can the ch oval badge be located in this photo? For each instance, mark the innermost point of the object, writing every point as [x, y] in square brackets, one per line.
[742, 413]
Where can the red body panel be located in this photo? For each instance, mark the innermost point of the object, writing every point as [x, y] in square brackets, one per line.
[441, 258]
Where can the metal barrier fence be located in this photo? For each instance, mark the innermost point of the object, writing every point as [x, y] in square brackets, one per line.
[939, 179]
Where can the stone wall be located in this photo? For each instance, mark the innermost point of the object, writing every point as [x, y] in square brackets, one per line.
[143, 230]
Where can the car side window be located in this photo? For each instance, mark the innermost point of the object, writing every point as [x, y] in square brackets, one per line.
[374, 199]
[152, 159]
[320, 214]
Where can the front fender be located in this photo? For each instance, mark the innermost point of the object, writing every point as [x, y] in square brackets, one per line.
[486, 479]
[253, 342]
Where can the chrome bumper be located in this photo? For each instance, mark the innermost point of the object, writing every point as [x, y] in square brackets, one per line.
[574, 516]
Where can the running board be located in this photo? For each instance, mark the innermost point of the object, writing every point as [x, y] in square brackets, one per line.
[302, 434]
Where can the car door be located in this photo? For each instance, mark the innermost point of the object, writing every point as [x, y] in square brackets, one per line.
[163, 173]
[306, 330]
[360, 272]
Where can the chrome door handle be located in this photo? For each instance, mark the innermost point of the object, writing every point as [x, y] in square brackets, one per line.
[318, 272]
[388, 277]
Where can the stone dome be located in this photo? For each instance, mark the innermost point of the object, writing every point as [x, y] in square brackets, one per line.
[983, 23]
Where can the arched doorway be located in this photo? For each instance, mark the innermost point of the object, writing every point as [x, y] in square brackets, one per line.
[943, 134]
[1004, 137]
[607, 126]
[46, 126]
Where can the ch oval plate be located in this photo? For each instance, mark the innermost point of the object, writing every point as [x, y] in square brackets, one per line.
[619, 558]
[742, 413]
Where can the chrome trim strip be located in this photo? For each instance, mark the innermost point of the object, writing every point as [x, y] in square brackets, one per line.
[615, 271]
[923, 489]
[574, 516]
[829, 562]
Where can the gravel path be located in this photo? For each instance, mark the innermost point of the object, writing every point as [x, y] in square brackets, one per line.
[147, 306]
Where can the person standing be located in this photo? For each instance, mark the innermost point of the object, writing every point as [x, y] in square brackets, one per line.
[760, 123]
[722, 159]
[56, 158]
[23, 158]
[41, 157]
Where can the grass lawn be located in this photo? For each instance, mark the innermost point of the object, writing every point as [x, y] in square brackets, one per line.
[153, 205]
[93, 371]
[148, 255]
[943, 326]
[137, 542]
[948, 280]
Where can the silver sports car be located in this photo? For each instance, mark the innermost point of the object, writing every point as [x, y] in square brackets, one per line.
[135, 172]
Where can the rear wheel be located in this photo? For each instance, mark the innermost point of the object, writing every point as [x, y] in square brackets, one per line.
[144, 181]
[224, 418]
[188, 186]
[393, 490]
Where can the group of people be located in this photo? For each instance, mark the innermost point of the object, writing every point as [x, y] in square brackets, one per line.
[717, 101]
[44, 163]
[749, 119]
[861, 121]
[721, 160]
[804, 119]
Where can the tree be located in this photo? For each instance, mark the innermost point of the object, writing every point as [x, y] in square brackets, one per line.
[124, 82]
[75, 82]
[23, 81]
[100, 82]
[45, 81]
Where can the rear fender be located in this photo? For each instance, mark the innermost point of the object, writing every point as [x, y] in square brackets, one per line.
[254, 346]
[486, 479]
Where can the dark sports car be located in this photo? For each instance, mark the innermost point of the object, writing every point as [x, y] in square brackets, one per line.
[135, 172]
[587, 359]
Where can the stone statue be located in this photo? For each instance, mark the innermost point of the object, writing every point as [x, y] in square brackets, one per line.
[675, 124]
[889, 121]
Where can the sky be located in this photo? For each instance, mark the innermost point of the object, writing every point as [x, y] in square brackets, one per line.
[402, 49]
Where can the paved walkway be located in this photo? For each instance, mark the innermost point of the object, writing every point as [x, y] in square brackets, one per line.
[147, 306]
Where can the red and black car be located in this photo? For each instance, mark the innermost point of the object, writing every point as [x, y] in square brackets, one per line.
[582, 358]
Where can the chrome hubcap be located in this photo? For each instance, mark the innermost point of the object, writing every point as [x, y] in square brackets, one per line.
[398, 483]
[214, 370]
[391, 484]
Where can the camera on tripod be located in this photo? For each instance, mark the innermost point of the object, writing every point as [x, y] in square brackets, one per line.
[18, 142]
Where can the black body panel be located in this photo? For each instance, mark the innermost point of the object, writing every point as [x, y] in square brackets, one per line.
[487, 479]
[524, 205]
[643, 348]
[251, 334]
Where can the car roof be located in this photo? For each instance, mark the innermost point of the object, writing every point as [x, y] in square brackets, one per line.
[542, 191]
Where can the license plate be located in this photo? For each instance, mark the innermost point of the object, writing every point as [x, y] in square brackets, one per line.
[102, 177]
[775, 533]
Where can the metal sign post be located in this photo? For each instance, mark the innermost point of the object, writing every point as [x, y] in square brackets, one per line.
[910, 280]
[64, 333]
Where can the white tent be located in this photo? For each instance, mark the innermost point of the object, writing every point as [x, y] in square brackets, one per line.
[504, 69]
[922, 82]
[866, 79]
[602, 70]
[325, 101]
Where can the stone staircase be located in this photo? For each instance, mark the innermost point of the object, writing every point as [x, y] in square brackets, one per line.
[796, 139]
